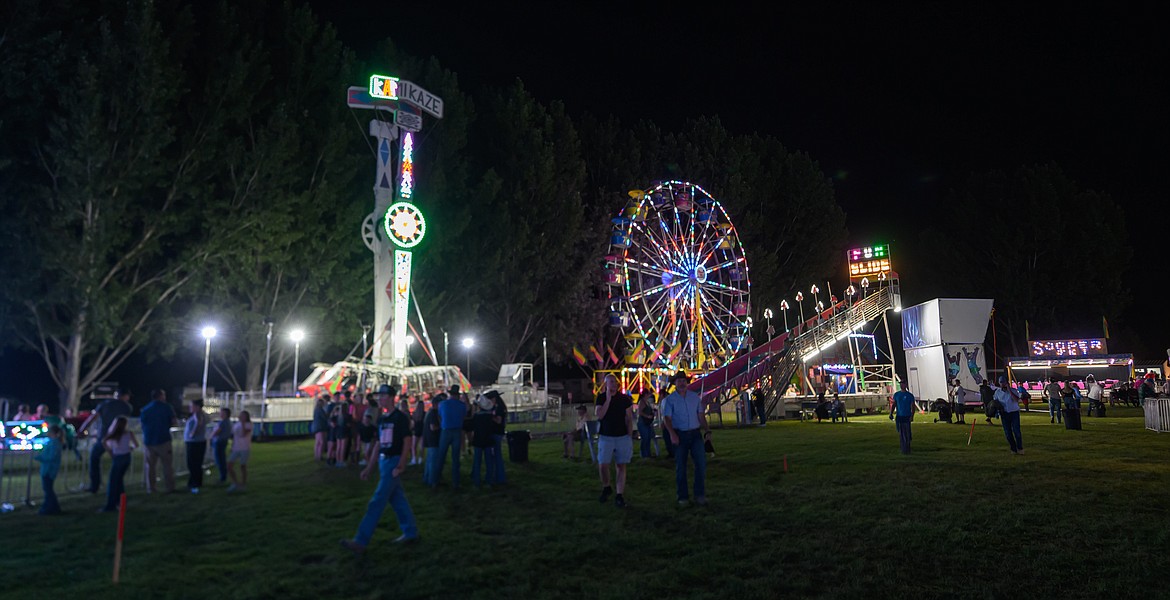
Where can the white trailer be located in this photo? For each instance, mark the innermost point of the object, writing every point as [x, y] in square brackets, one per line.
[943, 341]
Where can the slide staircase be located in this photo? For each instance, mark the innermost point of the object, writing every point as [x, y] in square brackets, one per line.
[781, 357]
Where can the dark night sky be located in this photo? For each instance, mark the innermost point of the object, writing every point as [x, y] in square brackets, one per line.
[898, 104]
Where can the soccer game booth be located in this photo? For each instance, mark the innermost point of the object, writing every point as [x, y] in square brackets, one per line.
[1069, 360]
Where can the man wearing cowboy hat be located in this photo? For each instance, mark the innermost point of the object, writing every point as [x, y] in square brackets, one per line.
[683, 418]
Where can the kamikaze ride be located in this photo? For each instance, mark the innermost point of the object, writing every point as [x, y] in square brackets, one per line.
[402, 223]
[678, 280]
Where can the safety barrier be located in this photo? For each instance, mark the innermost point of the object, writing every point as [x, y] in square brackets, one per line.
[20, 479]
[1157, 414]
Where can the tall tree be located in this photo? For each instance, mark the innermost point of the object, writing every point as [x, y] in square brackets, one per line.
[111, 150]
[1050, 252]
[529, 245]
[286, 213]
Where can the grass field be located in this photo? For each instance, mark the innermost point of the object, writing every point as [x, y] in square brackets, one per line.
[1082, 514]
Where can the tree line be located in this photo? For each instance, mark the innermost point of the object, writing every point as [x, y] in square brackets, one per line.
[167, 162]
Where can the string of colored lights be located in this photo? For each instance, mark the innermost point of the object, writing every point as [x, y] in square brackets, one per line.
[406, 188]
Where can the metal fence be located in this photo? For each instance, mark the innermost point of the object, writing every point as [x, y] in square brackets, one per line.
[20, 475]
[1157, 412]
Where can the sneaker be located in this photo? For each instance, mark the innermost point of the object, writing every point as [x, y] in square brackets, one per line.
[605, 492]
[619, 501]
[194, 490]
[232, 487]
[354, 547]
[701, 501]
[402, 539]
[1021, 450]
[362, 463]
[684, 502]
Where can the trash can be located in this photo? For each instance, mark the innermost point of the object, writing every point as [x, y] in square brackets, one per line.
[518, 445]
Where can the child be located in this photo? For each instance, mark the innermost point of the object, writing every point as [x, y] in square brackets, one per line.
[220, 435]
[241, 448]
[577, 434]
[367, 433]
[50, 459]
[120, 442]
[483, 439]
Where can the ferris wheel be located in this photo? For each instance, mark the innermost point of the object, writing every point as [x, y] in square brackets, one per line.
[678, 280]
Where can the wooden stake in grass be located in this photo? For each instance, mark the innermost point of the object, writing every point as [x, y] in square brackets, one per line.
[785, 463]
[118, 543]
[972, 433]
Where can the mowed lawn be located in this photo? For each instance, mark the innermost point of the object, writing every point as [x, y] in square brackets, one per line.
[1082, 514]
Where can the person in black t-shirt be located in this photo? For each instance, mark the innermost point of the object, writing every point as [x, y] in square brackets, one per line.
[391, 454]
[483, 430]
[615, 442]
[500, 418]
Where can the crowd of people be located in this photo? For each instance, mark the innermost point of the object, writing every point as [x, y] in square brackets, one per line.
[109, 423]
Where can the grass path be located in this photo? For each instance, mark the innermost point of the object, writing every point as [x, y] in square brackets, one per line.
[1082, 514]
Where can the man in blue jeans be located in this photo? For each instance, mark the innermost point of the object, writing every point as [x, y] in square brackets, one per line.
[394, 434]
[105, 413]
[683, 418]
[1009, 415]
[904, 405]
[452, 411]
[500, 420]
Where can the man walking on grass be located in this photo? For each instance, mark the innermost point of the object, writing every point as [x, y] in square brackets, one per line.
[683, 418]
[904, 405]
[615, 442]
[1009, 415]
[390, 452]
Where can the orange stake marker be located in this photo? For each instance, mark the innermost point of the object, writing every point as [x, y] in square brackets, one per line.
[972, 433]
[118, 543]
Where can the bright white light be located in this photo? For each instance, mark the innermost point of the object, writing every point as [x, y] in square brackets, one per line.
[767, 313]
[208, 332]
[409, 340]
[468, 342]
[897, 309]
[296, 335]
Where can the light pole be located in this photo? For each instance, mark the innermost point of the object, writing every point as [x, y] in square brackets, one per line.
[296, 336]
[768, 318]
[445, 342]
[208, 333]
[784, 309]
[800, 303]
[467, 344]
[267, 352]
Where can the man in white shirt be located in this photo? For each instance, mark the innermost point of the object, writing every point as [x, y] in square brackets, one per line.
[959, 398]
[1095, 392]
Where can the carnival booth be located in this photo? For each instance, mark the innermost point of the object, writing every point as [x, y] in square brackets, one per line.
[943, 341]
[1070, 360]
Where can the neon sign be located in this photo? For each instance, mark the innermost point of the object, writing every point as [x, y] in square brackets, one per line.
[1069, 348]
[384, 87]
[870, 260]
[404, 224]
[406, 188]
[25, 435]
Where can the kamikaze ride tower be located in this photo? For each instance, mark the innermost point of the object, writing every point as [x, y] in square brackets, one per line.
[396, 226]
